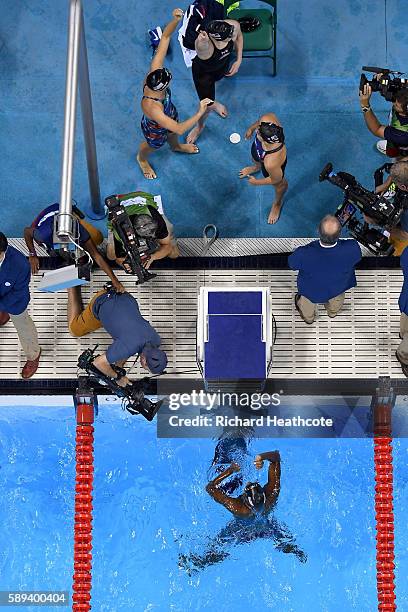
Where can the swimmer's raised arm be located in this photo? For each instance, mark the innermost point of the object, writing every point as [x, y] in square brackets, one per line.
[251, 129]
[161, 51]
[234, 505]
[272, 487]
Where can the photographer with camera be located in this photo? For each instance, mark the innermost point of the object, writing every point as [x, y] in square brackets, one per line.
[326, 270]
[397, 185]
[41, 232]
[395, 134]
[148, 224]
[119, 314]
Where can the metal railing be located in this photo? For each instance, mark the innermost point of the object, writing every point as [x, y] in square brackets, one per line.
[77, 74]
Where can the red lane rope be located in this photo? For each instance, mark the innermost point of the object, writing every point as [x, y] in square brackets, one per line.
[384, 515]
[82, 578]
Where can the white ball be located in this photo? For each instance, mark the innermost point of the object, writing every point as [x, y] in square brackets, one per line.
[235, 138]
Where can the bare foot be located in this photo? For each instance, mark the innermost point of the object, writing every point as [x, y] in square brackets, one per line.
[194, 134]
[186, 148]
[275, 212]
[146, 168]
[220, 109]
[248, 170]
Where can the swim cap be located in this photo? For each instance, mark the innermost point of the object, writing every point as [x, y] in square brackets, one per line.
[270, 132]
[220, 30]
[254, 495]
[249, 24]
[158, 79]
[145, 226]
[156, 359]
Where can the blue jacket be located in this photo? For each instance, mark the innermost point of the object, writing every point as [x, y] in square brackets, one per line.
[325, 273]
[403, 299]
[14, 282]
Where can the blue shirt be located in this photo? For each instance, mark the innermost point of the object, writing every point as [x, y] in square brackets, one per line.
[14, 282]
[325, 273]
[120, 316]
[43, 227]
[403, 299]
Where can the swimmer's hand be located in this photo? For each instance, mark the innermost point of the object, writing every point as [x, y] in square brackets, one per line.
[202, 36]
[249, 132]
[204, 104]
[235, 467]
[178, 14]
[234, 69]
[259, 462]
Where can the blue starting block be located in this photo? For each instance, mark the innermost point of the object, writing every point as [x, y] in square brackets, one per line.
[234, 337]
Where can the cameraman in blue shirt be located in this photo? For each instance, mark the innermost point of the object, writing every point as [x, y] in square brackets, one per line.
[326, 270]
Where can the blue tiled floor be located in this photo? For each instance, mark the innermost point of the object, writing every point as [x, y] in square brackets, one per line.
[321, 49]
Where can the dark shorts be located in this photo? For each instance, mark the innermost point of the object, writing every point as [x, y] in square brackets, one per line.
[204, 80]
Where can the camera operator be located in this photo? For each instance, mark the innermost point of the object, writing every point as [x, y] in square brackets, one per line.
[395, 134]
[326, 270]
[398, 177]
[147, 223]
[41, 231]
[119, 314]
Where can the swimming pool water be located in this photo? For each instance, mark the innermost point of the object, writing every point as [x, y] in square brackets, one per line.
[150, 507]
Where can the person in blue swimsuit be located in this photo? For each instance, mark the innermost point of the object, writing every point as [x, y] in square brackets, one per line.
[160, 118]
[269, 155]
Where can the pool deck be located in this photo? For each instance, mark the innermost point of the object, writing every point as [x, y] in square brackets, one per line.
[359, 343]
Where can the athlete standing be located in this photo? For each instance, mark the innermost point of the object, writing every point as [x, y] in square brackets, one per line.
[214, 47]
[269, 155]
[160, 118]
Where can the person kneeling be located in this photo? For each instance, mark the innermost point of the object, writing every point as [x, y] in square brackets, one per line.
[148, 223]
[119, 315]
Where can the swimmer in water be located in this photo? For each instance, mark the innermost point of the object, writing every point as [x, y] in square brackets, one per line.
[251, 521]
[255, 499]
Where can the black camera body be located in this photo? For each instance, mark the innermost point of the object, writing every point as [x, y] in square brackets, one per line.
[133, 395]
[389, 84]
[138, 249]
[380, 210]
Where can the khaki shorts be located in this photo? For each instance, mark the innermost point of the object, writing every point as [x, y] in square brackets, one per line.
[86, 321]
[95, 234]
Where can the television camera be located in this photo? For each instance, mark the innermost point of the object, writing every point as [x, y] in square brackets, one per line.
[377, 210]
[138, 249]
[389, 83]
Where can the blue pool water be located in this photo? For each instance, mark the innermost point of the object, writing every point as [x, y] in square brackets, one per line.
[150, 507]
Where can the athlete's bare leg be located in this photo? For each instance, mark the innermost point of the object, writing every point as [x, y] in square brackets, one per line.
[280, 190]
[217, 107]
[141, 158]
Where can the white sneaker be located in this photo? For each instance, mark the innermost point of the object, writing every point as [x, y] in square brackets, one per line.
[382, 147]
